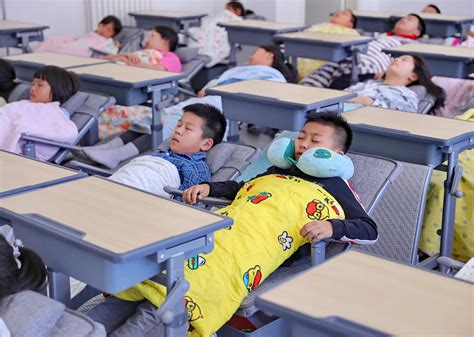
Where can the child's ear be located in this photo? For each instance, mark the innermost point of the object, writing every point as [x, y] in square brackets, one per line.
[413, 77]
[206, 144]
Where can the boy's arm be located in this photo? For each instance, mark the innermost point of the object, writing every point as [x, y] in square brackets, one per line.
[358, 226]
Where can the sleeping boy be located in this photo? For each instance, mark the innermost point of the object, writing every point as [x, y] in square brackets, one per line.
[273, 215]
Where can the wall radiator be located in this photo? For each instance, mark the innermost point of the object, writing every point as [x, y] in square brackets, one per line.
[96, 10]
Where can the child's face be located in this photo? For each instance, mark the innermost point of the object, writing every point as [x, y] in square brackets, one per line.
[106, 30]
[343, 18]
[157, 42]
[40, 91]
[237, 12]
[403, 67]
[187, 135]
[313, 135]
[261, 57]
[407, 25]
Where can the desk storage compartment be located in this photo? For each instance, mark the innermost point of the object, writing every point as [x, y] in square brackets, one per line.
[268, 327]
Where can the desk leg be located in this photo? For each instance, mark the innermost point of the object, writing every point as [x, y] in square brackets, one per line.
[156, 126]
[449, 205]
[59, 287]
[233, 55]
[233, 135]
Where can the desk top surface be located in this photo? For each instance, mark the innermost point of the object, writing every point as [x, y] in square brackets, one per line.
[112, 216]
[56, 59]
[264, 25]
[127, 74]
[433, 49]
[13, 25]
[373, 14]
[411, 123]
[394, 298]
[17, 171]
[439, 17]
[284, 92]
[327, 37]
[169, 14]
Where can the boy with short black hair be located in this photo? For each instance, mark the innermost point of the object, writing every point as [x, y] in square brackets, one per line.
[183, 164]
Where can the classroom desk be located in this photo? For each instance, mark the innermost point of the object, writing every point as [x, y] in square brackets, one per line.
[130, 86]
[419, 139]
[274, 104]
[256, 33]
[441, 60]
[442, 25]
[372, 21]
[324, 46]
[27, 64]
[354, 292]
[180, 21]
[14, 34]
[20, 174]
[111, 237]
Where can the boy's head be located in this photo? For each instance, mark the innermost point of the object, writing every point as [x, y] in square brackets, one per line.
[344, 17]
[200, 128]
[51, 83]
[328, 130]
[235, 7]
[109, 26]
[163, 38]
[433, 9]
[412, 24]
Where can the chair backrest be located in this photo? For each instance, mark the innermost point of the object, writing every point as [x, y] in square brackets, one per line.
[399, 214]
[228, 160]
[192, 61]
[130, 38]
[426, 100]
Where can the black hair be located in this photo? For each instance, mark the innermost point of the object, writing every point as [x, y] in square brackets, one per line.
[63, 83]
[7, 79]
[214, 121]
[353, 19]
[287, 70]
[424, 79]
[169, 34]
[421, 24]
[114, 20]
[342, 129]
[436, 8]
[31, 275]
[236, 5]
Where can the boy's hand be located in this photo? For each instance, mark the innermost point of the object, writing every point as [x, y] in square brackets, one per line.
[317, 230]
[133, 58]
[196, 193]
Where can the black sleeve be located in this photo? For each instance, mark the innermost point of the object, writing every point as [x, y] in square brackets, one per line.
[229, 189]
[358, 226]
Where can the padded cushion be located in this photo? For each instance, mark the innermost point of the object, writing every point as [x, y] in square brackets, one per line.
[21, 91]
[186, 54]
[75, 102]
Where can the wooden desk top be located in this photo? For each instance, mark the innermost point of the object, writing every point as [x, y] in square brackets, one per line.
[12, 25]
[394, 298]
[438, 17]
[326, 37]
[284, 92]
[124, 73]
[264, 25]
[59, 60]
[169, 14]
[18, 171]
[114, 217]
[373, 14]
[434, 49]
[412, 123]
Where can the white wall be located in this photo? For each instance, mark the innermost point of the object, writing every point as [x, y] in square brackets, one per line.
[451, 7]
[64, 17]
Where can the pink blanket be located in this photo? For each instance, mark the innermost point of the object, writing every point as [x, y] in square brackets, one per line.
[44, 120]
[80, 46]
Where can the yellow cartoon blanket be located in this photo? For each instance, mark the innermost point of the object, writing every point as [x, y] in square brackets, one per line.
[268, 213]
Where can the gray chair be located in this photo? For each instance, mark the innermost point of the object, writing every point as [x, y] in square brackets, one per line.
[426, 100]
[84, 109]
[29, 314]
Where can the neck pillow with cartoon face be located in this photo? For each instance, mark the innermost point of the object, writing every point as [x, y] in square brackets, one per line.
[317, 162]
